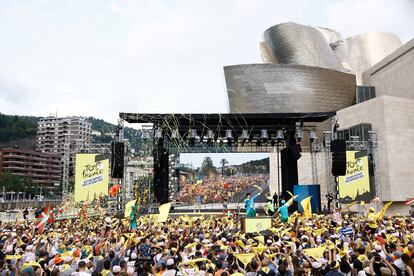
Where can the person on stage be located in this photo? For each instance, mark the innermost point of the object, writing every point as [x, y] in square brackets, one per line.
[284, 211]
[133, 217]
[249, 202]
[270, 206]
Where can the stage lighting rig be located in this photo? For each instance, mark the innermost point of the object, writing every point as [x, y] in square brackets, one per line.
[229, 137]
[312, 136]
[280, 136]
[192, 135]
[264, 136]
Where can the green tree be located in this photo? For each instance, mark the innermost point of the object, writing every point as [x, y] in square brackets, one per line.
[228, 172]
[207, 166]
[10, 181]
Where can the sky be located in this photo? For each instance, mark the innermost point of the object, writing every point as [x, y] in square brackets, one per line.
[196, 159]
[101, 57]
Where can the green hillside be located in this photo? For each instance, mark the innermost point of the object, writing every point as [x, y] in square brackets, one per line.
[20, 131]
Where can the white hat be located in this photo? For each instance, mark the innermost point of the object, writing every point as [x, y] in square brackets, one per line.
[269, 241]
[116, 269]
[223, 239]
[304, 237]
[323, 261]
[29, 247]
[170, 262]
[316, 265]
[378, 248]
[134, 256]
[9, 248]
[196, 240]
[130, 270]
[68, 259]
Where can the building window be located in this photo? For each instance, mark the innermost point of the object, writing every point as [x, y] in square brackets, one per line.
[361, 130]
[364, 93]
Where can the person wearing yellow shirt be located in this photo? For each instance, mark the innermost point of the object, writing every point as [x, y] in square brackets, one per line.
[372, 221]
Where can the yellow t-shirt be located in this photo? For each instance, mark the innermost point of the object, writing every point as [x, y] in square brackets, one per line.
[372, 220]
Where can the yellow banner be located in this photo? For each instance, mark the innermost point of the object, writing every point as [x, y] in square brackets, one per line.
[255, 225]
[91, 178]
[315, 253]
[355, 184]
[245, 258]
[259, 249]
[164, 212]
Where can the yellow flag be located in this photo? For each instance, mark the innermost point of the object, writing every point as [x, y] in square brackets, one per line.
[128, 208]
[349, 205]
[164, 211]
[260, 239]
[381, 213]
[307, 208]
[290, 201]
[240, 243]
[13, 257]
[259, 249]
[245, 258]
[315, 253]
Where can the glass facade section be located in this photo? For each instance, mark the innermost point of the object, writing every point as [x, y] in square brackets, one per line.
[364, 93]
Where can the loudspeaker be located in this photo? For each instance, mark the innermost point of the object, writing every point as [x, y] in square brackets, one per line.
[289, 170]
[338, 149]
[117, 160]
[295, 151]
[161, 174]
[338, 146]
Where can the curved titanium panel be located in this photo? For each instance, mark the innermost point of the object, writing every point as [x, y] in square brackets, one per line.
[361, 52]
[282, 88]
[293, 43]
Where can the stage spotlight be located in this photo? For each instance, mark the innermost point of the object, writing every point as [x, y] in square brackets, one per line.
[192, 135]
[210, 137]
[210, 134]
[298, 134]
[175, 134]
[158, 134]
[229, 136]
[245, 135]
[280, 136]
[263, 135]
[312, 136]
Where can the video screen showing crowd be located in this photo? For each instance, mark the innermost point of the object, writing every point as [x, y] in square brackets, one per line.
[222, 179]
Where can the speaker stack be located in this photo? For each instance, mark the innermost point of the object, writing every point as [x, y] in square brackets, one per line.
[338, 149]
[117, 160]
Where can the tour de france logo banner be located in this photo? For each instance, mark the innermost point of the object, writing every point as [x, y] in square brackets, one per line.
[91, 178]
[355, 186]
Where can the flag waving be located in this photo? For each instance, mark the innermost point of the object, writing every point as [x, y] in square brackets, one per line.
[307, 208]
[381, 213]
[44, 218]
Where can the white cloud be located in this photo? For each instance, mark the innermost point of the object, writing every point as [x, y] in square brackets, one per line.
[102, 57]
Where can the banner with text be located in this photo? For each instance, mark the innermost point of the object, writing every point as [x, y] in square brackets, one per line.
[355, 185]
[91, 177]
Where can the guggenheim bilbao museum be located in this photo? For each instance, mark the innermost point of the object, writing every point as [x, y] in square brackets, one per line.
[367, 79]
